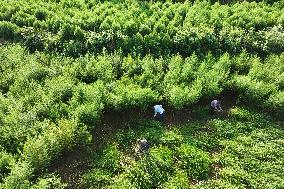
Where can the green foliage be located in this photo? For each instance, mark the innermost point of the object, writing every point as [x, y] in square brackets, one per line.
[263, 84]
[125, 95]
[9, 30]
[6, 163]
[179, 180]
[149, 172]
[150, 130]
[42, 150]
[19, 176]
[48, 182]
[121, 183]
[138, 27]
[194, 161]
[110, 159]
[50, 103]
[96, 178]
[171, 139]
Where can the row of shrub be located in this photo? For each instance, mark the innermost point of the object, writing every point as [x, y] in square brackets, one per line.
[75, 28]
[263, 85]
[138, 16]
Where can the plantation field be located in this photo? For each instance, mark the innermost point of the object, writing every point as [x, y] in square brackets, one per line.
[231, 150]
[243, 149]
[79, 78]
[50, 104]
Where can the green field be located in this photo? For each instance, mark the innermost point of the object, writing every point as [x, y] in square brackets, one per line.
[78, 80]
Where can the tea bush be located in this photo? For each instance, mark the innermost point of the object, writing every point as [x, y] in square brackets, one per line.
[179, 180]
[96, 178]
[171, 139]
[110, 159]
[194, 161]
[6, 163]
[19, 176]
[9, 30]
[125, 95]
[49, 181]
[42, 150]
[147, 172]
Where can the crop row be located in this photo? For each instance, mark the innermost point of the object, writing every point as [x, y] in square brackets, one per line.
[77, 27]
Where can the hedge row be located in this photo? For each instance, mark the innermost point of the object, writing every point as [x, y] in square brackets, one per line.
[77, 27]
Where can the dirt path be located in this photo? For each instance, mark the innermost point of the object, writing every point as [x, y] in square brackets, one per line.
[73, 164]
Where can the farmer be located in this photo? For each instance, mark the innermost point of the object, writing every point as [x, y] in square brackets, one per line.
[142, 146]
[159, 113]
[215, 106]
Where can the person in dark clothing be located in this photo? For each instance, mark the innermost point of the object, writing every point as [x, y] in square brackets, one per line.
[142, 146]
[215, 106]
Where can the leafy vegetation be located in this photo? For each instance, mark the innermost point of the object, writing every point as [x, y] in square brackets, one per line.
[141, 27]
[247, 152]
[63, 64]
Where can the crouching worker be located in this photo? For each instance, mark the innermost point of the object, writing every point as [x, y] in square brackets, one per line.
[159, 113]
[142, 146]
[215, 106]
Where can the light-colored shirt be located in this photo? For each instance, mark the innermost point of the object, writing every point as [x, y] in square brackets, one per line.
[215, 104]
[159, 109]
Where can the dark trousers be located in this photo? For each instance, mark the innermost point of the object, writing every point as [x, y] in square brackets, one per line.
[160, 117]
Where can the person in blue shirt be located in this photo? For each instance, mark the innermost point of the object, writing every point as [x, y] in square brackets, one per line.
[215, 106]
[159, 113]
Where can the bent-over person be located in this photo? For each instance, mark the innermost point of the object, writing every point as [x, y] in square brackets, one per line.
[215, 106]
[159, 113]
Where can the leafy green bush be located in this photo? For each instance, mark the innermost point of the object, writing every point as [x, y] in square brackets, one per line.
[88, 114]
[164, 156]
[121, 182]
[96, 178]
[171, 139]
[6, 163]
[145, 27]
[126, 138]
[182, 96]
[179, 180]
[90, 69]
[9, 31]
[46, 147]
[19, 176]
[236, 176]
[276, 102]
[49, 181]
[149, 172]
[148, 129]
[254, 91]
[110, 159]
[125, 95]
[194, 161]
